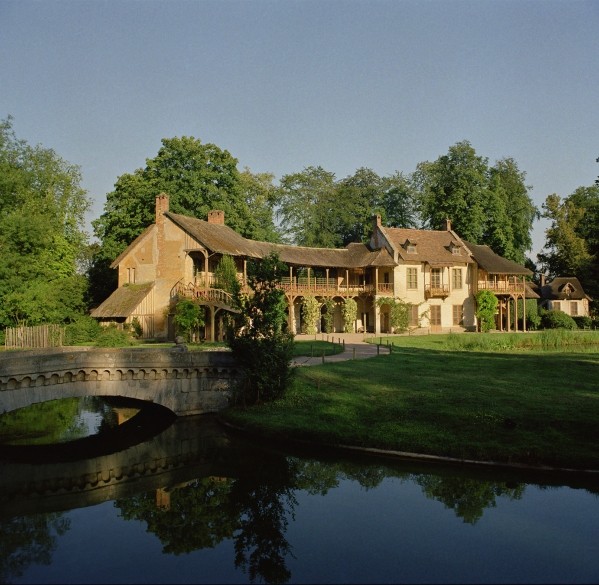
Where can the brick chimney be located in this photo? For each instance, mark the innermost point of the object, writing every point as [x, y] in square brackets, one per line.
[216, 216]
[448, 224]
[161, 206]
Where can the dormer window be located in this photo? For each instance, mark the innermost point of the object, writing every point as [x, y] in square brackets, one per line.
[455, 249]
[410, 247]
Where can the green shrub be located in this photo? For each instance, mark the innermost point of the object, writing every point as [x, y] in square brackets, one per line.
[557, 320]
[2, 336]
[112, 336]
[84, 330]
[583, 322]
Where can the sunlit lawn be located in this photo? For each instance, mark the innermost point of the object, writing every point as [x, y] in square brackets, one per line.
[520, 405]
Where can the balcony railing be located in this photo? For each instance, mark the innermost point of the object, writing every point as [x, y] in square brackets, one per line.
[501, 286]
[436, 290]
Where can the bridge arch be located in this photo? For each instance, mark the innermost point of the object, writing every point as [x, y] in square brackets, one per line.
[185, 382]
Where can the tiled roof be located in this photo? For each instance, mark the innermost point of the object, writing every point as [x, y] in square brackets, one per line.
[495, 264]
[222, 239]
[123, 301]
[433, 247]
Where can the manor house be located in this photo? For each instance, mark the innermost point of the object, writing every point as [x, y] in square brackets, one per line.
[436, 272]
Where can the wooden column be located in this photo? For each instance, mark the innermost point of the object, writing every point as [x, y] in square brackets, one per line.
[206, 269]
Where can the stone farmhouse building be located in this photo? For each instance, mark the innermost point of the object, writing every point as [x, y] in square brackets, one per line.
[437, 272]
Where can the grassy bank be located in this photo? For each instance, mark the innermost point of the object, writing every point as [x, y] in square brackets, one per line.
[466, 396]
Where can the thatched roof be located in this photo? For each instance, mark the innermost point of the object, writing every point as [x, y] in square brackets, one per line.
[562, 288]
[123, 301]
[224, 240]
[495, 264]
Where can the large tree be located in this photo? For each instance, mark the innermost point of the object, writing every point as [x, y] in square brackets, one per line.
[486, 205]
[572, 239]
[42, 212]
[455, 187]
[308, 208]
[198, 178]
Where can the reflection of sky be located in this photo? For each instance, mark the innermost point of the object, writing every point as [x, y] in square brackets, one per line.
[391, 533]
[89, 422]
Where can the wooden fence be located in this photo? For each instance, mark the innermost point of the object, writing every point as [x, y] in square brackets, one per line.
[38, 336]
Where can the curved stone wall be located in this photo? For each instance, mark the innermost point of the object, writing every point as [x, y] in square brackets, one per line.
[185, 382]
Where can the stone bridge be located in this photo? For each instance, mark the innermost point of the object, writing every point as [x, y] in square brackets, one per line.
[185, 382]
[190, 448]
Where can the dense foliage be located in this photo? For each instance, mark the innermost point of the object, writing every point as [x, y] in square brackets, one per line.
[310, 315]
[42, 210]
[557, 320]
[572, 239]
[259, 338]
[486, 205]
[399, 313]
[349, 310]
[486, 306]
[189, 316]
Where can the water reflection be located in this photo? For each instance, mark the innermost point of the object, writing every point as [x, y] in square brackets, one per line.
[195, 487]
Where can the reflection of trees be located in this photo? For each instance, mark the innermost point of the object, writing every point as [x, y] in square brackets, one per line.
[28, 540]
[468, 498]
[254, 509]
[264, 508]
[198, 515]
[45, 422]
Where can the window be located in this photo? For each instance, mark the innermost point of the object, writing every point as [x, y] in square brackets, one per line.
[411, 249]
[573, 308]
[131, 275]
[456, 278]
[556, 305]
[436, 315]
[458, 312]
[413, 316]
[412, 278]
[435, 277]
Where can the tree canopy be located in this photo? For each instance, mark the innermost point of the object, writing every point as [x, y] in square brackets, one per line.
[486, 205]
[42, 212]
[572, 239]
[198, 178]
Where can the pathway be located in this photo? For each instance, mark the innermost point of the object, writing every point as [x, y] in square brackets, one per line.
[355, 348]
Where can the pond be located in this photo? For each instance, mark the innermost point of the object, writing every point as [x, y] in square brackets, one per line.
[191, 502]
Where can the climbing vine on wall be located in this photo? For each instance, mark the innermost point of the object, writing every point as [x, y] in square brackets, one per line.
[310, 315]
[350, 312]
[399, 313]
[329, 315]
[486, 306]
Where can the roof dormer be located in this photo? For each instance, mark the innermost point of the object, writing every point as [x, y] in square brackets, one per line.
[455, 248]
[410, 246]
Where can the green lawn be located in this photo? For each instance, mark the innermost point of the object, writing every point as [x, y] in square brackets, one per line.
[461, 398]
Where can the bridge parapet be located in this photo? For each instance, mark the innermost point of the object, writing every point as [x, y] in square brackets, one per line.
[185, 382]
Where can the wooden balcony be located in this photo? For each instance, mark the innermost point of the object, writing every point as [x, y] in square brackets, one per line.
[436, 290]
[502, 287]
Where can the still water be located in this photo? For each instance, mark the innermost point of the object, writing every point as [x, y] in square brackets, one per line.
[196, 504]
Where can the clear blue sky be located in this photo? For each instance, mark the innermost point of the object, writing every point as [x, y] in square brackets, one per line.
[287, 84]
